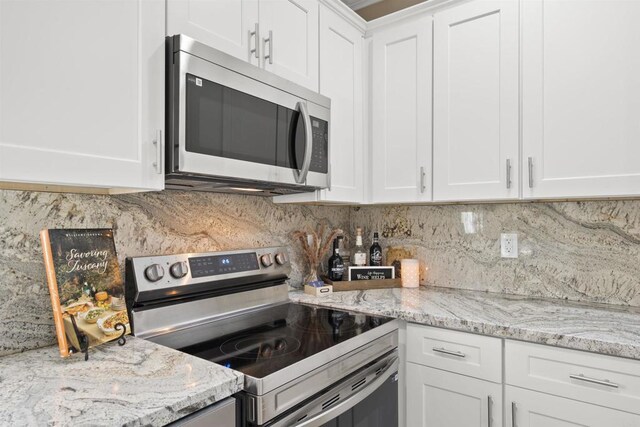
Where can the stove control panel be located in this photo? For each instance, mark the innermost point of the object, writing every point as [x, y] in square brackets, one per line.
[184, 271]
[223, 264]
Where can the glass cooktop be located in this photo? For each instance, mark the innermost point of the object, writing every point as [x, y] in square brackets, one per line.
[271, 339]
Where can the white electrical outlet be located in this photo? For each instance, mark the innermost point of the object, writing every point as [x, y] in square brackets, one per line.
[509, 245]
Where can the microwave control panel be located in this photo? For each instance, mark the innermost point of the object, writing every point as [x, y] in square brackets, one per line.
[320, 153]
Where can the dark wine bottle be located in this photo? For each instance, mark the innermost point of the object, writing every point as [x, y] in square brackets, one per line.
[336, 265]
[375, 252]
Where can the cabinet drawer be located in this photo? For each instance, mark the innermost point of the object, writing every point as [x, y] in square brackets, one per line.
[460, 352]
[603, 380]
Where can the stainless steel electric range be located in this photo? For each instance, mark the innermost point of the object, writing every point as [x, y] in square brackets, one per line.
[303, 365]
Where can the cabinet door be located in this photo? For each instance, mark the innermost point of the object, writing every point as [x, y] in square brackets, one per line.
[289, 32]
[82, 93]
[401, 113]
[341, 58]
[226, 25]
[476, 110]
[580, 89]
[533, 409]
[437, 398]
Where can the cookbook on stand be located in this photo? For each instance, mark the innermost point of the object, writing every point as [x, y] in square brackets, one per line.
[85, 285]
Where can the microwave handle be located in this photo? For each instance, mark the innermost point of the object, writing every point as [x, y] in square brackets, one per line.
[301, 176]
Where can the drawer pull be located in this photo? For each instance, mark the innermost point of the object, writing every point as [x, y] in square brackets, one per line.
[449, 352]
[490, 411]
[593, 380]
[514, 408]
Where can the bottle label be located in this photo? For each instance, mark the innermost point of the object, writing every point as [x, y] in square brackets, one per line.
[376, 258]
[360, 259]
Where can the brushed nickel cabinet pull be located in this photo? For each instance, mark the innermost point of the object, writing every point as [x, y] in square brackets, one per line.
[423, 186]
[158, 164]
[581, 377]
[508, 173]
[489, 411]
[255, 34]
[270, 41]
[530, 172]
[514, 407]
[449, 352]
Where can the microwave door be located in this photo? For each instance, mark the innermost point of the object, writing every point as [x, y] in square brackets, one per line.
[229, 124]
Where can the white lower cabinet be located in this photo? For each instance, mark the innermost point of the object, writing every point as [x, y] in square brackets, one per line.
[543, 386]
[526, 408]
[438, 398]
[602, 380]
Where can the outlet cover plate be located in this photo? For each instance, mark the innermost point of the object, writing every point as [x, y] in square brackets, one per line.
[509, 245]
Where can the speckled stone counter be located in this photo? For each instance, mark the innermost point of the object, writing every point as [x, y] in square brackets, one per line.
[607, 329]
[140, 383]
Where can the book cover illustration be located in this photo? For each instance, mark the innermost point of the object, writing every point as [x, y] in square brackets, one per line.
[85, 282]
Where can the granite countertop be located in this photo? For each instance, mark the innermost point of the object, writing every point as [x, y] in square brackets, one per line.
[601, 328]
[141, 383]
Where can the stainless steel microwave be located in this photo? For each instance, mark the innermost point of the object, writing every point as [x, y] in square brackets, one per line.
[233, 127]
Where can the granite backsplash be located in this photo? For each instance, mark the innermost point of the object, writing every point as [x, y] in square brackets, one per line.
[145, 224]
[581, 251]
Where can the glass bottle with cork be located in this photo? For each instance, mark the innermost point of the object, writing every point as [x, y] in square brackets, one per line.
[359, 254]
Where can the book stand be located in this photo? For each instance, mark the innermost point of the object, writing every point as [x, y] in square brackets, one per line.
[83, 340]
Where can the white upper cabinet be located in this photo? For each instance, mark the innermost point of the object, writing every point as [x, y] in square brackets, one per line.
[580, 92]
[341, 57]
[82, 94]
[341, 79]
[228, 25]
[476, 109]
[278, 35]
[401, 112]
[289, 33]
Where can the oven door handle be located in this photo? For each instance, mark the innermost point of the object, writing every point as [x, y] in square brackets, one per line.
[301, 175]
[353, 400]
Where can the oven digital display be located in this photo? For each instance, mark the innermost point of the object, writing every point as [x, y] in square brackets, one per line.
[223, 264]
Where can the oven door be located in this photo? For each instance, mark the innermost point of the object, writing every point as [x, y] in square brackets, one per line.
[227, 124]
[368, 397]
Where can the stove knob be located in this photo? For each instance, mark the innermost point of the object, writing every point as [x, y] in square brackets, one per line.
[179, 269]
[281, 345]
[281, 258]
[266, 351]
[154, 272]
[266, 260]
